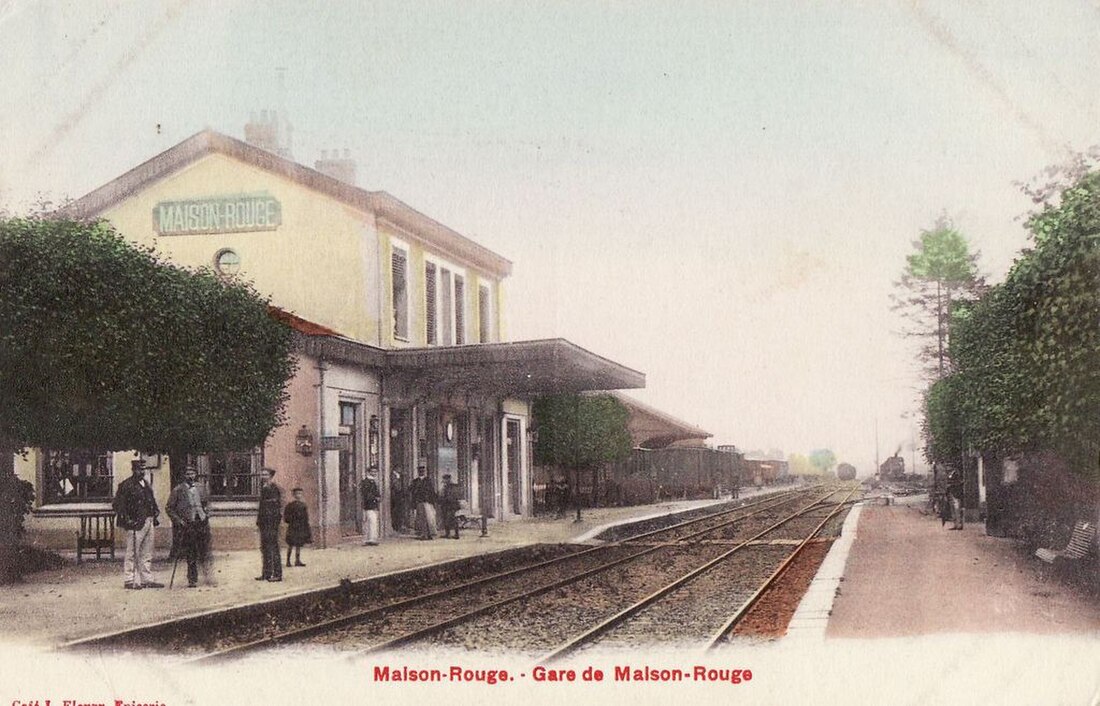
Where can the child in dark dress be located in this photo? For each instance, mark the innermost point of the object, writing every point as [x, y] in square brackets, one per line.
[297, 527]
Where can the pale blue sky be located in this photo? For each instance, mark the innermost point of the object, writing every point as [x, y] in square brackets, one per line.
[718, 194]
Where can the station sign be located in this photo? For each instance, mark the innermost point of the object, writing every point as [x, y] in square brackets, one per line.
[223, 214]
[336, 443]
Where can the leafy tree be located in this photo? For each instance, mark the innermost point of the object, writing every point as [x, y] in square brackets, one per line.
[942, 426]
[580, 432]
[845, 471]
[1028, 353]
[941, 272]
[104, 346]
[799, 465]
[822, 460]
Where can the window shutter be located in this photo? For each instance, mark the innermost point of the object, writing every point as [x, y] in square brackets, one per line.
[429, 303]
[400, 293]
[484, 314]
[460, 310]
[447, 307]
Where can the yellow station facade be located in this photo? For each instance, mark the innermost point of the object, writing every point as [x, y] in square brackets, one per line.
[402, 360]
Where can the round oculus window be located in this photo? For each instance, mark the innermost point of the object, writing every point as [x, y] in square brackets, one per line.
[227, 262]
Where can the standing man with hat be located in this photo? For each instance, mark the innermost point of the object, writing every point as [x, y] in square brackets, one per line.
[370, 493]
[187, 508]
[424, 498]
[268, 518]
[448, 504]
[136, 512]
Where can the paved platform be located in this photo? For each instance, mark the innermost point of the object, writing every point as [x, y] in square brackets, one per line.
[906, 575]
[76, 601]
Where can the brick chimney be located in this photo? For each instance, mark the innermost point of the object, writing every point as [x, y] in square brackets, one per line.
[337, 166]
[269, 132]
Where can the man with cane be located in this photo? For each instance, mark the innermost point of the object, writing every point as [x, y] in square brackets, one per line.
[136, 512]
[187, 506]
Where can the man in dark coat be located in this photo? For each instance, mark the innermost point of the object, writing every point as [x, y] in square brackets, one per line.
[371, 495]
[187, 506]
[449, 504]
[268, 518]
[136, 512]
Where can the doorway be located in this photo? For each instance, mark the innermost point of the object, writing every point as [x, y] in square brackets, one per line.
[486, 465]
[400, 467]
[513, 464]
[351, 522]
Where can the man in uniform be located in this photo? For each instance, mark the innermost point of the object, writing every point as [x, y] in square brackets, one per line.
[136, 512]
[368, 489]
[267, 519]
[187, 507]
[424, 497]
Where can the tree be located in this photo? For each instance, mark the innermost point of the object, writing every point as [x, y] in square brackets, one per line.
[799, 465]
[941, 272]
[104, 346]
[1028, 352]
[580, 432]
[942, 427]
[822, 460]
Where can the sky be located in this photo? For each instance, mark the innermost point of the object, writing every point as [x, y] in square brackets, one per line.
[717, 194]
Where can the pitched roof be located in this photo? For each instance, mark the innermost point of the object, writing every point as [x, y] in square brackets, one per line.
[299, 324]
[653, 428]
[413, 223]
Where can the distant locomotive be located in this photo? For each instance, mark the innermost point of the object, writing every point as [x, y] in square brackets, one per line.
[846, 471]
[893, 468]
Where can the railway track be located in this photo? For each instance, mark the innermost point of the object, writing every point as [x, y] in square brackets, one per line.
[536, 622]
[386, 629]
[253, 628]
[695, 607]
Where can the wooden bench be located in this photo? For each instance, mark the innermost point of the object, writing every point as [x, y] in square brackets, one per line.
[97, 535]
[465, 518]
[1080, 542]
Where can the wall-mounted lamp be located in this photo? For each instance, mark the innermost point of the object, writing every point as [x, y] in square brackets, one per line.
[533, 435]
[303, 442]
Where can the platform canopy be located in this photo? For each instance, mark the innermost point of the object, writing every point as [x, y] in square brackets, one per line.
[520, 368]
[484, 370]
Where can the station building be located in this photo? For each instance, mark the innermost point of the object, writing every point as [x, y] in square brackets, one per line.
[397, 323]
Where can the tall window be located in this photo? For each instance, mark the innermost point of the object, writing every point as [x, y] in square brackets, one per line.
[444, 303]
[460, 310]
[232, 475]
[430, 311]
[485, 314]
[76, 476]
[399, 267]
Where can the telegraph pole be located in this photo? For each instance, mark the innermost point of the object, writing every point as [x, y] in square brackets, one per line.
[876, 448]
